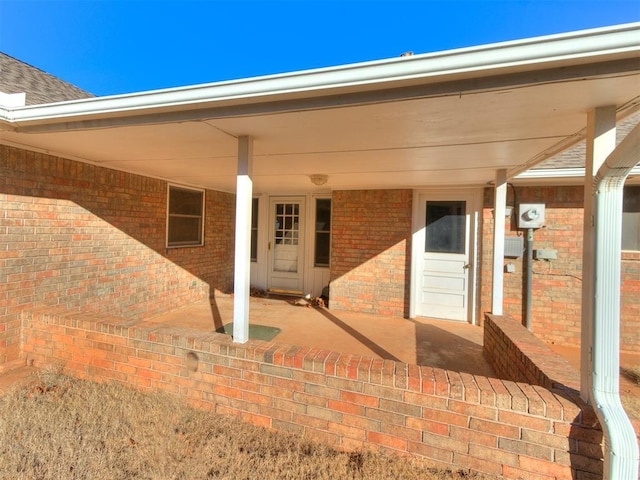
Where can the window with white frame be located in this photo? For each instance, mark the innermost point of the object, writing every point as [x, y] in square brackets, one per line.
[631, 218]
[185, 220]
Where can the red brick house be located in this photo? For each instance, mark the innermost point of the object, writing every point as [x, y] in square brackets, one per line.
[388, 181]
[340, 171]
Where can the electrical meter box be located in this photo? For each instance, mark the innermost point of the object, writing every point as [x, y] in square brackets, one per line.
[531, 215]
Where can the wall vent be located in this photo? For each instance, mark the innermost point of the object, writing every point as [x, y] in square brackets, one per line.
[513, 247]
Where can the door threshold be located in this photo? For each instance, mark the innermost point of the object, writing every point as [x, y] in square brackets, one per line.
[285, 292]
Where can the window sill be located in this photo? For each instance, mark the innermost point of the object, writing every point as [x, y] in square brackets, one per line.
[171, 247]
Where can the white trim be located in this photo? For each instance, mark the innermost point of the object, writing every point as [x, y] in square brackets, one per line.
[574, 48]
[499, 207]
[558, 173]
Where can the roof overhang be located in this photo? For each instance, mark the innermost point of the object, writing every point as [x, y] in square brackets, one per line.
[435, 119]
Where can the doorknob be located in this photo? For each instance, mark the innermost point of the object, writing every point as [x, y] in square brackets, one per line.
[269, 246]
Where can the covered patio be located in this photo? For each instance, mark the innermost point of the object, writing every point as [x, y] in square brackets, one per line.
[443, 344]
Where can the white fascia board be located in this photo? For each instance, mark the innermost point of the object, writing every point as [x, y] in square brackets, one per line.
[572, 48]
[559, 173]
[5, 123]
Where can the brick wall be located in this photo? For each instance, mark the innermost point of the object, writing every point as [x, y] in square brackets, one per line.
[132, 203]
[453, 420]
[370, 251]
[518, 355]
[557, 284]
[515, 353]
[56, 254]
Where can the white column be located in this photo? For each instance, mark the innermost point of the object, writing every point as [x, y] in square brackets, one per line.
[242, 273]
[499, 211]
[600, 142]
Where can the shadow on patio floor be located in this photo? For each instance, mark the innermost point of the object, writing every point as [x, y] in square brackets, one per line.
[437, 343]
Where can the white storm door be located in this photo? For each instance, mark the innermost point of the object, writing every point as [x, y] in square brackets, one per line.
[444, 270]
[286, 245]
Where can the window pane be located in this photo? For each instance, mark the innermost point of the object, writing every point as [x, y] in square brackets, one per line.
[323, 243]
[185, 231]
[254, 245]
[254, 230]
[185, 202]
[631, 218]
[254, 213]
[445, 227]
[323, 215]
[185, 218]
[322, 252]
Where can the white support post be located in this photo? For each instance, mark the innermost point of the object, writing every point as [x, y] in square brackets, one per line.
[601, 141]
[499, 211]
[242, 273]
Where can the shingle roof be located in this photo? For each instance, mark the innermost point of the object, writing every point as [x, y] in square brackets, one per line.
[40, 87]
[575, 156]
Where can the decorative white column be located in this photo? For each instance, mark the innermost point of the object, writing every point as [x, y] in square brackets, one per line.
[601, 141]
[242, 273]
[499, 212]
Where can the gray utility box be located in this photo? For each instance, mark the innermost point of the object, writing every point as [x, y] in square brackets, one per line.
[545, 254]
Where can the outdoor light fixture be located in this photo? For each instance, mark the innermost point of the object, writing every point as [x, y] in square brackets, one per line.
[531, 215]
[319, 179]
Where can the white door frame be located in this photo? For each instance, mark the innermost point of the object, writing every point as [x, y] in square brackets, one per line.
[301, 246]
[473, 197]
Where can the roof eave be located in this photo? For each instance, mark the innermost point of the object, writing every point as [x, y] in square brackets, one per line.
[575, 48]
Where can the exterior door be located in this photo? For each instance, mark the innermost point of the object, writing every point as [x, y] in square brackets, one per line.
[444, 258]
[286, 245]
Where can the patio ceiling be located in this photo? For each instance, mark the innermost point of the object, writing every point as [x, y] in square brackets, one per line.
[439, 130]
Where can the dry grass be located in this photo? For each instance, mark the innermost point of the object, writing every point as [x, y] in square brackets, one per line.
[631, 402]
[632, 372]
[64, 428]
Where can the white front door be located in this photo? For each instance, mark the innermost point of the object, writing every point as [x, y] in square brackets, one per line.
[285, 250]
[444, 256]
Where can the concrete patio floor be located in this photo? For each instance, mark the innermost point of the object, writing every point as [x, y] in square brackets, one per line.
[438, 343]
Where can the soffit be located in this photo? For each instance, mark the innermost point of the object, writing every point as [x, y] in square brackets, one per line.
[455, 133]
[442, 140]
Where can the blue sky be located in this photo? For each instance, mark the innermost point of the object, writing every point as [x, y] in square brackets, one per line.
[120, 46]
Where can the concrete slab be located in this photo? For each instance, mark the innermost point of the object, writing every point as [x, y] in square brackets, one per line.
[438, 343]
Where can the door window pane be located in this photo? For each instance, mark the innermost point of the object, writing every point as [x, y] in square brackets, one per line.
[286, 236]
[445, 227]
